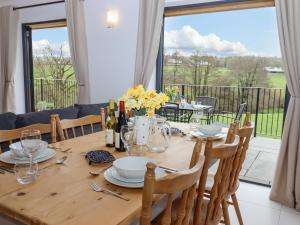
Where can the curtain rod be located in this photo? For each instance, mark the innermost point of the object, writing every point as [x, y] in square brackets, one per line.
[36, 5]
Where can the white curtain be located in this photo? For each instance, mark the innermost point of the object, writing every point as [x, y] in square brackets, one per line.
[78, 47]
[286, 184]
[8, 48]
[149, 30]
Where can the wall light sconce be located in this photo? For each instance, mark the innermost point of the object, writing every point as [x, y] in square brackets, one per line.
[112, 18]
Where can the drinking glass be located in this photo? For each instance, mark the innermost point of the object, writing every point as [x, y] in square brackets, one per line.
[30, 141]
[195, 120]
[127, 133]
[26, 173]
[129, 138]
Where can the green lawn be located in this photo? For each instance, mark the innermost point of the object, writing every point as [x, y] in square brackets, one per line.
[268, 124]
[277, 80]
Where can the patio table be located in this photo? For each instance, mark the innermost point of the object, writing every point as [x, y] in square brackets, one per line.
[62, 194]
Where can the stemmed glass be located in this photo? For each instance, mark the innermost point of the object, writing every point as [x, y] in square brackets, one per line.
[30, 141]
[195, 119]
[127, 136]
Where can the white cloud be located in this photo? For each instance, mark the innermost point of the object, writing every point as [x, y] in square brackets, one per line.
[187, 39]
[39, 46]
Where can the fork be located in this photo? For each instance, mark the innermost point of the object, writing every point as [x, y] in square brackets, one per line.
[97, 188]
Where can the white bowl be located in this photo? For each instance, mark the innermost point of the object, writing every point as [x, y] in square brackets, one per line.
[210, 130]
[132, 167]
[17, 150]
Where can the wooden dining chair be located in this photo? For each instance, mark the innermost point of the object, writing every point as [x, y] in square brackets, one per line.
[208, 209]
[71, 128]
[184, 181]
[10, 136]
[244, 134]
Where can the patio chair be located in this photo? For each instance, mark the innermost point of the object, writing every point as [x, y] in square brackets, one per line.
[208, 113]
[230, 119]
[171, 111]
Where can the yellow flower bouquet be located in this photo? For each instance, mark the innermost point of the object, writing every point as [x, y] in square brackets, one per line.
[143, 102]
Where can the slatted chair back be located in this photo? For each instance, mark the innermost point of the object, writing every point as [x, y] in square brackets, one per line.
[245, 135]
[11, 136]
[232, 131]
[241, 110]
[171, 111]
[247, 120]
[225, 154]
[68, 128]
[183, 181]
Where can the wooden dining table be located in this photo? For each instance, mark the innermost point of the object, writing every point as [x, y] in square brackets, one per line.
[61, 194]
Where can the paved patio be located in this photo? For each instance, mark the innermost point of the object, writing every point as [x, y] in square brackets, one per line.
[261, 159]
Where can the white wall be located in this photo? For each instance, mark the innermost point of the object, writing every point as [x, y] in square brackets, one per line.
[111, 51]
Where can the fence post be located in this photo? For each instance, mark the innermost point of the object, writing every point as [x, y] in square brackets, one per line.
[182, 90]
[256, 111]
[287, 98]
[42, 90]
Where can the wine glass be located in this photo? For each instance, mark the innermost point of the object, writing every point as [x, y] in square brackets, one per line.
[127, 135]
[30, 141]
[195, 120]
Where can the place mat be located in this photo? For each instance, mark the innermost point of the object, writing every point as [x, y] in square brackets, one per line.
[99, 156]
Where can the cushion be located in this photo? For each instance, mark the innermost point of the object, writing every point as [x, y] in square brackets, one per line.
[7, 121]
[44, 116]
[90, 109]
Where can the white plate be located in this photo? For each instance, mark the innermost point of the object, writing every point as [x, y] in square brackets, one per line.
[8, 157]
[214, 137]
[115, 175]
[18, 152]
[108, 176]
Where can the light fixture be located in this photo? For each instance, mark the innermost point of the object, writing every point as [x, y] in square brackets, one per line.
[112, 18]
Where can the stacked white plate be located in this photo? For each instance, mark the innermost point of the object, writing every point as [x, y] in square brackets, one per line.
[16, 155]
[213, 131]
[129, 172]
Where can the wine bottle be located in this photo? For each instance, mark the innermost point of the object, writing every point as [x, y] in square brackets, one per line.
[110, 125]
[119, 145]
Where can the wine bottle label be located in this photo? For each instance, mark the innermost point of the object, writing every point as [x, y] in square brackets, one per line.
[117, 140]
[109, 136]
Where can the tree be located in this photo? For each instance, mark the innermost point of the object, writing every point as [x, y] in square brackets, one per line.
[248, 71]
[56, 71]
[176, 62]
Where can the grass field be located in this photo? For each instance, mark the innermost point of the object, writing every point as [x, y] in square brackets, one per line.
[218, 77]
[277, 80]
[268, 124]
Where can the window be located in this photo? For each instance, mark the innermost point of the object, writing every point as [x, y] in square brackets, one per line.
[49, 75]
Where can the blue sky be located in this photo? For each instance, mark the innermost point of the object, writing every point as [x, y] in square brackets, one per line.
[241, 32]
[255, 29]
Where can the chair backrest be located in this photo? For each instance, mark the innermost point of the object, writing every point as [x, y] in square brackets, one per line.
[206, 100]
[68, 128]
[183, 181]
[171, 111]
[225, 154]
[232, 131]
[241, 110]
[11, 136]
[245, 134]
[247, 120]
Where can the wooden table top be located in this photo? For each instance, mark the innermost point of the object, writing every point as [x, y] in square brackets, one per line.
[61, 195]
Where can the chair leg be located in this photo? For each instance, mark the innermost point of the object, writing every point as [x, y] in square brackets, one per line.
[225, 212]
[237, 209]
